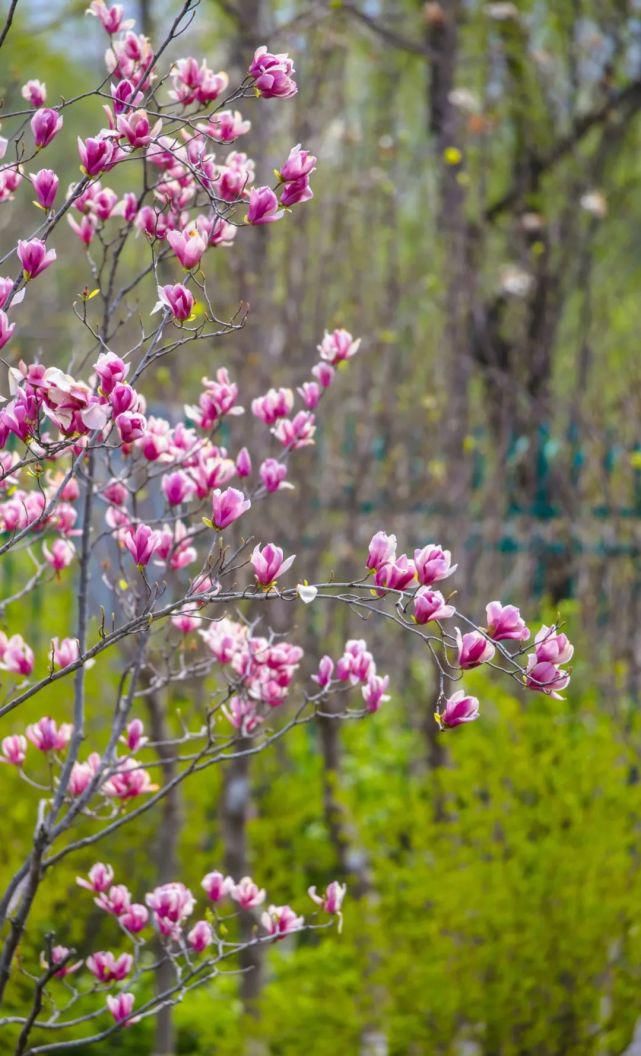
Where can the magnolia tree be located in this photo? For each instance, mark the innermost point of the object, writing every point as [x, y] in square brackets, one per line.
[93, 487]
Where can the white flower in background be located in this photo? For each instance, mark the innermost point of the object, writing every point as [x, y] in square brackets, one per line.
[594, 202]
[515, 281]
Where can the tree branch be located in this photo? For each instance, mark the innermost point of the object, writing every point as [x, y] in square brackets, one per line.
[630, 97]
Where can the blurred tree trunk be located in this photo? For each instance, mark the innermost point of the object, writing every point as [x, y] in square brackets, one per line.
[443, 28]
[234, 814]
[166, 854]
[146, 18]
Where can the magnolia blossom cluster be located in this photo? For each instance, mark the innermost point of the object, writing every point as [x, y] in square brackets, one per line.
[545, 671]
[168, 910]
[417, 578]
[195, 470]
[355, 667]
[196, 195]
[123, 779]
[260, 671]
[45, 735]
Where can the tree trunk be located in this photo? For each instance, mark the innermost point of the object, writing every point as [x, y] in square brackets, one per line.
[166, 854]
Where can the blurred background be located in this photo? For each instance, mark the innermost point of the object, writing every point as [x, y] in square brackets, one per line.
[477, 220]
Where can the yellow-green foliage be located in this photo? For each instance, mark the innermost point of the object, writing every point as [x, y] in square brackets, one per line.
[505, 884]
[505, 892]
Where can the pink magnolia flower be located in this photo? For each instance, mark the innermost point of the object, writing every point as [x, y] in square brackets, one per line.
[269, 564]
[324, 374]
[296, 192]
[6, 328]
[60, 955]
[104, 202]
[219, 397]
[14, 749]
[34, 257]
[188, 246]
[177, 487]
[124, 95]
[100, 878]
[134, 919]
[123, 398]
[107, 968]
[45, 184]
[60, 554]
[173, 547]
[47, 736]
[357, 663]
[310, 393]
[297, 431]
[116, 492]
[127, 207]
[129, 781]
[133, 736]
[201, 936]
[226, 126]
[222, 233]
[263, 206]
[111, 18]
[338, 347]
[98, 153]
[68, 490]
[280, 921]
[64, 652]
[170, 905]
[193, 82]
[17, 656]
[242, 715]
[141, 543]
[178, 299]
[121, 1007]
[82, 774]
[553, 646]
[272, 74]
[35, 92]
[243, 463]
[273, 475]
[459, 708]
[331, 900]
[382, 550]
[542, 676]
[504, 622]
[234, 178]
[299, 163]
[473, 649]
[136, 127]
[227, 507]
[10, 178]
[217, 886]
[374, 692]
[247, 894]
[131, 426]
[323, 677]
[430, 605]
[152, 222]
[433, 564]
[396, 574]
[45, 125]
[275, 404]
[86, 229]
[6, 286]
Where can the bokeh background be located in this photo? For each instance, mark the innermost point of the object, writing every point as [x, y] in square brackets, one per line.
[477, 220]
